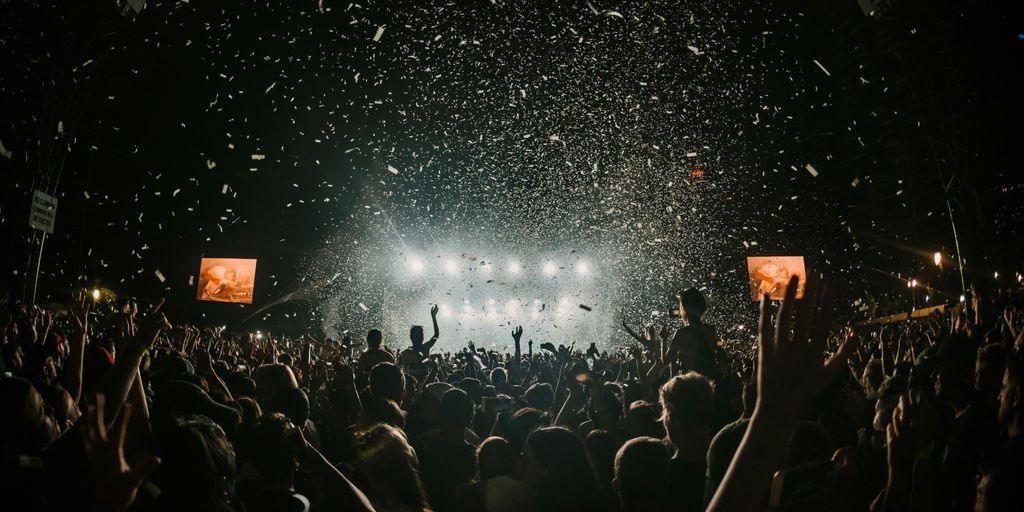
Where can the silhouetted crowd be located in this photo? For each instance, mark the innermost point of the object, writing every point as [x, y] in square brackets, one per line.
[114, 409]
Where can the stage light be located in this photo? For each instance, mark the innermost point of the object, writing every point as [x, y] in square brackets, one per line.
[446, 312]
[416, 265]
[513, 267]
[259, 335]
[996, 275]
[582, 268]
[95, 294]
[962, 298]
[490, 302]
[938, 259]
[912, 283]
[450, 266]
[550, 268]
[512, 307]
[741, 327]
[486, 267]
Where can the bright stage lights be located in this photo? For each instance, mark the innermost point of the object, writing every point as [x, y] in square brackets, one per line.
[550, 268]
[95, 294]
[582, 267]
[416, 265]
[486, 267]
[513, 267]
[450, 266]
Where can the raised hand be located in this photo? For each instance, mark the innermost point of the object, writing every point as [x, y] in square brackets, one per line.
[78, 313]
[116, 481]
[663, 333]
[650, 332]
[517, 333]
[792, 368]
[150, 326]
[433, 310]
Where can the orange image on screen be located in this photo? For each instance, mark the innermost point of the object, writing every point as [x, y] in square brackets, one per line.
[226, 280]
[770, 275]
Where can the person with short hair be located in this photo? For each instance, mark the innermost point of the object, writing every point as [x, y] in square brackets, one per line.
[641, 475]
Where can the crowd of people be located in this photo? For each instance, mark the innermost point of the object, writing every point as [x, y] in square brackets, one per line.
[121, 410]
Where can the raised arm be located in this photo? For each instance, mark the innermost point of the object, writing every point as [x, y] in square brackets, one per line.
[78, 313]
[119, 380]
[791, 372]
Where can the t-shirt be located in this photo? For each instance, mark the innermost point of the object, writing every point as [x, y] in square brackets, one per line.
[686, 484]
[720, 453]
[372, 357]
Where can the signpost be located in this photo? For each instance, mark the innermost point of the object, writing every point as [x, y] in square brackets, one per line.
[43, 213]
[41, 216]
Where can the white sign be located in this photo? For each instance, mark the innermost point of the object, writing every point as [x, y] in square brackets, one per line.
[43, 213]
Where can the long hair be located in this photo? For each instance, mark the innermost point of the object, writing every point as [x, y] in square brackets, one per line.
[569, 484]
[389, 467]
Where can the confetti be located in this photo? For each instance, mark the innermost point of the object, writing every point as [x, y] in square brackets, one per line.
[822, 68]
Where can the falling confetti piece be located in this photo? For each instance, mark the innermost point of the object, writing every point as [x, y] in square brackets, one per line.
[258, 157]
[392, 170]
[822, 67]
[160, 276]
[810, 168]
[379, 34]
[363, 306]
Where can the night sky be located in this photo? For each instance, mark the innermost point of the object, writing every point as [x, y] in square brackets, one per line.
[338, 143]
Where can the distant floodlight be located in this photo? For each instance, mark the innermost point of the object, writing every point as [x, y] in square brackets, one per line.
[450, 266]
[550, 268]
[996, 275]
[490, 302]
[912, 283]
[486, 267]
[416, 265]
[95, 294]
[938, 258]
[582, 268]
[446, 312]
[259, 335]
[962, 298]
[512, 306]
[513, 267]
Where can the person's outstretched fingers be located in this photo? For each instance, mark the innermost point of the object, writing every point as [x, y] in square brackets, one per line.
[784, 321]
[805, 310]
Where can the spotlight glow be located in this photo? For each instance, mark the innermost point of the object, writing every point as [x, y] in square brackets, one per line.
[938, 258]
[487, 267]
[550, 268]
[416, 265]
[95, 294]
[582, 267]
[513, 267]
[450, 267]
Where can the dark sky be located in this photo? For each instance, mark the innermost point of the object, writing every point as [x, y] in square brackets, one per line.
[284, 131]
